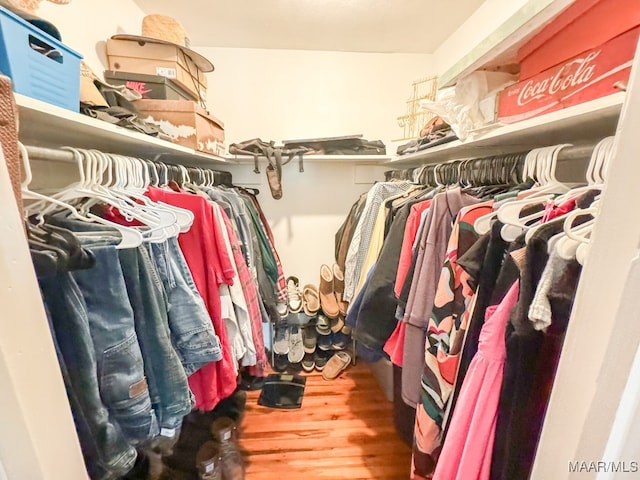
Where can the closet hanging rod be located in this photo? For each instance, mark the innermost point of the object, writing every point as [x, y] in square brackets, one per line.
[573, 153]
[66, 156]
[576, 152]
[53, 154]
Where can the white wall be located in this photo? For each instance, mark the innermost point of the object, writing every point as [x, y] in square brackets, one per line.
[288, 94]
[313, 206]
[85, 25]
[37, 436]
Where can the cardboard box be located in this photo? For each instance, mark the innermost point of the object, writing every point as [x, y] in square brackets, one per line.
[584, 25]
[590, 75]
[150, 86]
[157, 59]
[187, 124]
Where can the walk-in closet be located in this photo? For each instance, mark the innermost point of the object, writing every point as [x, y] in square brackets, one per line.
[319, 240]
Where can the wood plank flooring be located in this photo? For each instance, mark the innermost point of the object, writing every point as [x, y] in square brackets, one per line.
[344, 430]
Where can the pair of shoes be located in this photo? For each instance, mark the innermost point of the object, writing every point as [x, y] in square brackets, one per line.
[196, 432]
[221, 458]
[288, 341]
[335, 340]
[323, 325]
[309, 338]
[336, 365]
[294, 294]
[310, 300]
[308, 362]
[296, 347]
[280, 363]
[248, 382]
[337, 323]
[331, 291]
[320, 359]
[340, 339]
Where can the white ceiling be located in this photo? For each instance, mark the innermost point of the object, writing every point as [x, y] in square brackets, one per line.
[390, 26]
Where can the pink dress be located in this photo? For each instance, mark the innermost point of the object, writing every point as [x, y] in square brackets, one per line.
[466, 453]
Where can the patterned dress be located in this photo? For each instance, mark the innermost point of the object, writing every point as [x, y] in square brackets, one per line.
[445, 336]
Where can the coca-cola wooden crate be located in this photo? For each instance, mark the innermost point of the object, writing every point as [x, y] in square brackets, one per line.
[187, 124]
[584, 25]
[590, 75]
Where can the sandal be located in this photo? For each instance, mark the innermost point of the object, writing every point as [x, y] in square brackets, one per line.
[310, 300]
[336, 365]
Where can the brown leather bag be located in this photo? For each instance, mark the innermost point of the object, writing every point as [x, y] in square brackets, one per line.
[9, 135]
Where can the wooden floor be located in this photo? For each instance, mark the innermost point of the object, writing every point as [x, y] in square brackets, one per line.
[344, 430]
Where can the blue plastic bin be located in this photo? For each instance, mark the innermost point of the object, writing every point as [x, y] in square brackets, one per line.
[52, 78]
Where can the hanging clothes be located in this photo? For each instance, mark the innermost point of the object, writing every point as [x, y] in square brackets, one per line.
[468, 451]
[375, 319]
[152, 301]
[247, 302]
[445, 334]
[205, 253]
[104, 446]
[344, 234]
[431, 254]
[376, 315]
[362, 235]
[532, 358]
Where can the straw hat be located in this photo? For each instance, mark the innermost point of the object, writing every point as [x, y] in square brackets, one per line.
[168, 31]
[89, 93]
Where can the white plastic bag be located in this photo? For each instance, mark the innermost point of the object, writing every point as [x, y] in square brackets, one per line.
[459, 106]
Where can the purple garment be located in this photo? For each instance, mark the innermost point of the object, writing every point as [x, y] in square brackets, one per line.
[431, 254]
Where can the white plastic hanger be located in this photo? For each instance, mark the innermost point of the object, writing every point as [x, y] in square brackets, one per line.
[93, 191]
[129, 238]
[165, 220]
[573, 242]
[184, 217]
[89, 190]
[134, 173]
[595, 174]
[509, 214]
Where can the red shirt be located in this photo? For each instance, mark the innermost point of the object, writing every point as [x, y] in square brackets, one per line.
[410, 232]
[554, 211]
[204, 250]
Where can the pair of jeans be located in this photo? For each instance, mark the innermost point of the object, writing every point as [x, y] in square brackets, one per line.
[168, 387]
[106, 452]
[164, 378]
[192, 332]
[121, 375]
